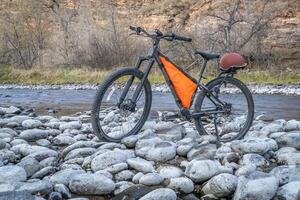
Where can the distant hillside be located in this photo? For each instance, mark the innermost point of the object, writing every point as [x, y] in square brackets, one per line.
[87, 32]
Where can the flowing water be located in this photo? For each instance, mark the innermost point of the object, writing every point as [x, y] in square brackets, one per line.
[71, 101]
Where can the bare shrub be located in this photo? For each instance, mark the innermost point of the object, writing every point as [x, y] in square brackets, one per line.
[239, 26]
[25, 30]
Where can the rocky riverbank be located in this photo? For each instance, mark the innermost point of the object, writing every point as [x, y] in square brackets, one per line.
[60, 158]
[255, 88]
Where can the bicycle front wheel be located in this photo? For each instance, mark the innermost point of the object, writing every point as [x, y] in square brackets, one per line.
[114, 114]
[238, 100]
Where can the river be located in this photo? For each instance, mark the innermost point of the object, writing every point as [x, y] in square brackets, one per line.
[70, 101]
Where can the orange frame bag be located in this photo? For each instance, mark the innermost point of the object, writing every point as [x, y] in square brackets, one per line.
[184, 85]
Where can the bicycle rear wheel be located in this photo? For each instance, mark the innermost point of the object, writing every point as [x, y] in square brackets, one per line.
[238, 99]
[114, 120]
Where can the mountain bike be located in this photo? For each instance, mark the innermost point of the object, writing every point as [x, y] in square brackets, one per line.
[223, 107]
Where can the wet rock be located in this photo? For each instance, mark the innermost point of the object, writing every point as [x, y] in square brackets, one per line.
[202, 151]
[2, 144]
[45, 118]
[91, 184]
[41, 187]
[107, 159]
[130, 141]
[140, 165]
[133, 192]
[55, 196]
[110, 117]
[245, 170]
[289, 191]
[7, 155]
[9, 131]
[44, 172]
[63, 190]
[9, 110]
[209, 197]
[80, 153]
[70, 125]
[254, 145]
[202, 170]
[16, 119]
[63, 140]
[30, 165]
[64, 176]
[169, 131]
[292, 125]
[51, 161]
[125, 175]
[290, 139]
[162, 151]
[286, 173]
[11, 174]
[41, 155]
[31, 123]
[112, 145]
[6, 187]
[116, 168]
[221, 185]
[273, 127]
[288, 155]
[121, 186]
[257, 185]
[161, 193]
[16, 195]
[184, 146]
[253, 159]
[264, 118]
[104, 173]
[79, 144]
[151, 179]
[69, 118]
[144, 145]
[43, 142]
[33, 134]
[137, 177]
[181, 184]
[170, 171]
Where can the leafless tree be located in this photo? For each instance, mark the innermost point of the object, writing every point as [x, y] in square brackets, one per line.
[238, 24]
[25, 33]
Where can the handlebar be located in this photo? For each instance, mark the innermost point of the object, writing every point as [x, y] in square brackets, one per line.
[159, 35]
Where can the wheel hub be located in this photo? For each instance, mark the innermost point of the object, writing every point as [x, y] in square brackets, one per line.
[127, 105]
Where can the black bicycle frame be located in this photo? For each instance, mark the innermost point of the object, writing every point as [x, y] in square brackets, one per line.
[154, 56]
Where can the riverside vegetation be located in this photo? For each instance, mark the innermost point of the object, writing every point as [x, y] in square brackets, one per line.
[47, 157]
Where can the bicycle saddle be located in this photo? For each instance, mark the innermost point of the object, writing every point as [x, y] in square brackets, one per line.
[208, 56]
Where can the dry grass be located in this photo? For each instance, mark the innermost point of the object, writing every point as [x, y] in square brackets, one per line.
[51, 75]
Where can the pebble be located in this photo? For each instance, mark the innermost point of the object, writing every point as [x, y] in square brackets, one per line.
[56, 158]
[202, 170]
[151, 179]
[91, 184]
[11, 174]
[162, 151]
[181, 185]
[257, 185]
[170, 171]
[140, 165]
[221, 185]
[33, 134]
[161, 193]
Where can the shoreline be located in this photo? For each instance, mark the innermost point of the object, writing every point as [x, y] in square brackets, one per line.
[46, 156]
[282, 89]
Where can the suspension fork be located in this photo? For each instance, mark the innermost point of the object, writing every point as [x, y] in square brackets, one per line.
[130, 81]
[145, 76]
